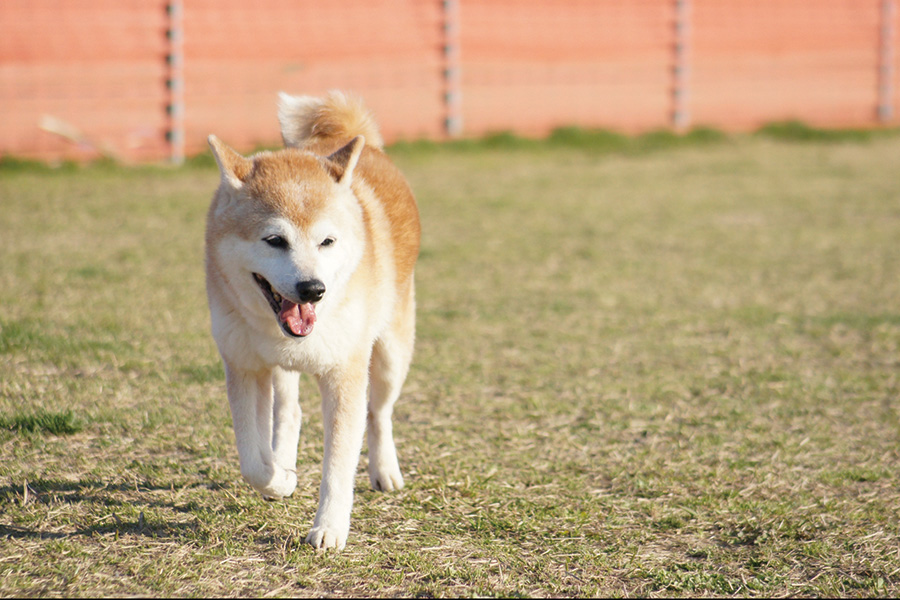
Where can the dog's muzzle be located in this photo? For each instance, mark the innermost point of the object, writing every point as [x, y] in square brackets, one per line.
[295, 318]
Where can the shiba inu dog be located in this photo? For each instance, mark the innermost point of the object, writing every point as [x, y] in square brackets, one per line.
[310, 253]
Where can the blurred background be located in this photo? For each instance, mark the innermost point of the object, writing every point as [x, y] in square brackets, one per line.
[148, 80]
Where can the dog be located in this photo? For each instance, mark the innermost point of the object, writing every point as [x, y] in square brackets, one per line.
[310, 258]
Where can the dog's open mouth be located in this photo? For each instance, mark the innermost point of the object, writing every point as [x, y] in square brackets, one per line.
[296, 320]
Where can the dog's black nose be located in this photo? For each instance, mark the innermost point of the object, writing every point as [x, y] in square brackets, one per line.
[310, 290]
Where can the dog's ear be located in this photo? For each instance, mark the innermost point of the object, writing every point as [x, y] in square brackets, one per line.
[233, 167]
[345, 160]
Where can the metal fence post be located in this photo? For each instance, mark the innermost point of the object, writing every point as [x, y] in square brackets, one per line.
[886, 62]
[175, 81]
[452, 94]
[681, 117]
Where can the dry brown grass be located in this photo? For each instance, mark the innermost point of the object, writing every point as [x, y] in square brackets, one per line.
[653, 373]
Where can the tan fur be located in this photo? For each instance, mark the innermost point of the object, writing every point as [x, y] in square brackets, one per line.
[306, 120]
[331, 208]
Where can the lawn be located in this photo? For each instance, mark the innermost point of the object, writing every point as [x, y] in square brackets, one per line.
[653, 367]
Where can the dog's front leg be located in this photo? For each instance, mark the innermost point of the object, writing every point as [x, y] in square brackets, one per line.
[344, 419]
[250, 398]
[286, 418]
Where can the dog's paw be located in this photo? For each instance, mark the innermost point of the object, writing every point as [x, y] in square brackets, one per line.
[323, 538]
[386, 479]
[283, 485]
[279, 483]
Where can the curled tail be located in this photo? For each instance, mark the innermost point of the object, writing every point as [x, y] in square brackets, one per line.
[335, 118]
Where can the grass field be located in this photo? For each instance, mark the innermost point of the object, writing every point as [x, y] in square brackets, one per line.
[653, 367]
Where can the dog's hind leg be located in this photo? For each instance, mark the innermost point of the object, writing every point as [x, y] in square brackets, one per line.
[286, 417]
[387, 372]
[250, 397]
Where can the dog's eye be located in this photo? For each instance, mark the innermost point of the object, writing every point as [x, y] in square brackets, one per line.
[327, 241]
[276, 241]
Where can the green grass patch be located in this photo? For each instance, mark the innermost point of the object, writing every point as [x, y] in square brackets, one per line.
[14, 164]
[594, 141]
[68, 345]
[41, 421]
[797, 131]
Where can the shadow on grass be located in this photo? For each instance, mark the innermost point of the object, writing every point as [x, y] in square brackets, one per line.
[79, 491]
[96, 493]
[137, 526]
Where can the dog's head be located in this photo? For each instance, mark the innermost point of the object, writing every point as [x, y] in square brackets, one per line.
[285, 230]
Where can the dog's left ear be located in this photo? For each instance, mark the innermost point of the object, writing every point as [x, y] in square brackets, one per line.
[344, 160]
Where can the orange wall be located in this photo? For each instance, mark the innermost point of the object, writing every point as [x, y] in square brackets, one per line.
[524, 65]
[99, 65]
[239, 54]
[786, 59]
[531, 65]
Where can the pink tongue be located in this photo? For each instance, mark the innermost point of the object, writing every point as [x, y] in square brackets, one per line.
[299, 318]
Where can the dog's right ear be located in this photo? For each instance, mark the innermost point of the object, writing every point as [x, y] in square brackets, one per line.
[345, 159]
[233, 167]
